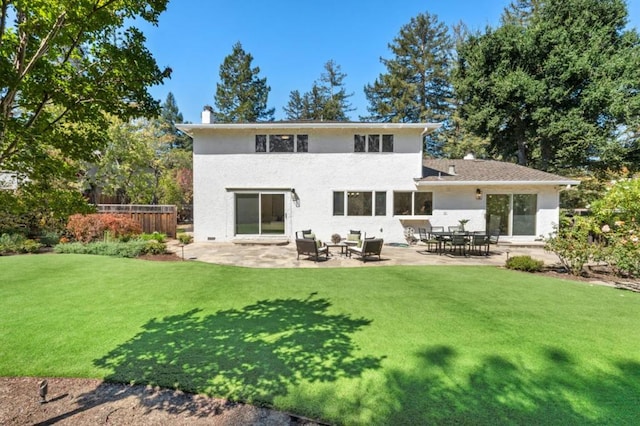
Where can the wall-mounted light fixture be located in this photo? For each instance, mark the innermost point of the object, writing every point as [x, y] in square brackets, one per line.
[478, 194]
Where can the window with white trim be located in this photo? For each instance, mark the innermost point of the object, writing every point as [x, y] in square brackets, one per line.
[360, 203]
[373, 143]
[408, 203]
[282, 143]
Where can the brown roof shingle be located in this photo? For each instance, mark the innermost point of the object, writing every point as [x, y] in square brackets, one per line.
[439, 170]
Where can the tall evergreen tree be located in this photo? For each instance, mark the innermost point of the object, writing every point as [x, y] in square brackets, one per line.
[241, 96]
[416, 84]
[327, 99]
[170, 115]
[556, 87]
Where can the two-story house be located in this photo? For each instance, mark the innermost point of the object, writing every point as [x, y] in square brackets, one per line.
[268, 180]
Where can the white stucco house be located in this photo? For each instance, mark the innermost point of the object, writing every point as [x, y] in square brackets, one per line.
[268, 180]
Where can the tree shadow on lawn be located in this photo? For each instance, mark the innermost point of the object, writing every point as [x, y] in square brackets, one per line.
[251, 354]
[501, 391]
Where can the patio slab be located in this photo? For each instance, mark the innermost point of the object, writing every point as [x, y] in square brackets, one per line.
[284, 256]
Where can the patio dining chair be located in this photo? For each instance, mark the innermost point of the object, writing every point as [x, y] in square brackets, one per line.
[429, 239]
[458, 241]
[480, 243]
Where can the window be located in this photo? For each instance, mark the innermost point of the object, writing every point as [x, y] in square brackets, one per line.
[364, 203]
[420, 203]
[371, 143]
[282, 143]
[338, 203]
[381, 204]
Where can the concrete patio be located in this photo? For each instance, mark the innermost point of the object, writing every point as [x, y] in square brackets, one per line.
[284, 256]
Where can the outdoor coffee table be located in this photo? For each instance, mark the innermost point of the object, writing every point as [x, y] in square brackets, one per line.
[343, 246]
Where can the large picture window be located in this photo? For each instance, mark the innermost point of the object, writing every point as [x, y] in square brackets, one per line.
[359, 203]
[406, 203]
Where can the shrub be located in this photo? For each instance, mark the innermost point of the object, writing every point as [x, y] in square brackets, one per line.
[155, 247]
[50, 238]
[92, 227]
[571, 243]
[17, 243]
[184, 238]
[524, 263]
[133, 248]
[156, 236]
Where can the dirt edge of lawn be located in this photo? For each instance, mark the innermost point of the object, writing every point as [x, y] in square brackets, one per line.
[91, 402]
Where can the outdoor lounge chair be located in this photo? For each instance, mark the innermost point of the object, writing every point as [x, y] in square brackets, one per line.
[309, 247]
[370, 247]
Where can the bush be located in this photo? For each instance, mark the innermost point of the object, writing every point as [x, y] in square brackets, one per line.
[17, 243]
[524, 263]
[92, 227]
[133, 248]
[155, 247]
[156, 236]
[571, 243]
[49, 239]
[184, 238]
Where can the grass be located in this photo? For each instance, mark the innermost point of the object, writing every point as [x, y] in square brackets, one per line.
[385, 345]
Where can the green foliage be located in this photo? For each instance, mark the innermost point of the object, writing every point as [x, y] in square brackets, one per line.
[63, 65]
[155, 247]
[132, 248]
[327, 100]
[49, 238]
[621, 202]
[553, 87]
[38, 207]
[416, 86]
[524, 263]
[241, 96]
[185, 238]
[155, 236]
[572, 243]
[622, 249]
[17, 243]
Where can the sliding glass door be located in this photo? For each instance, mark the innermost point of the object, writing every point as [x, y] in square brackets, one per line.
[259, 214]
[512, 214]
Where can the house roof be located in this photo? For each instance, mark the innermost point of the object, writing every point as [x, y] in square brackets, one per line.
[308, 125]
[445, 172]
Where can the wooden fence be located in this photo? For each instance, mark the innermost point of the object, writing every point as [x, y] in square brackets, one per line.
[152, 218]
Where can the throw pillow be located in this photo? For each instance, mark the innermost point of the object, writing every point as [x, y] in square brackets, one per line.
[353, 237]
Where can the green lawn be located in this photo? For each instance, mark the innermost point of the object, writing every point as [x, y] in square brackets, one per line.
[384, 345]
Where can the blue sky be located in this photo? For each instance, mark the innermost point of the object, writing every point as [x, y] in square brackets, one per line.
[290, 42]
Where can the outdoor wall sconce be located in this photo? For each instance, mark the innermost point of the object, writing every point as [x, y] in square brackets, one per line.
[478, 194]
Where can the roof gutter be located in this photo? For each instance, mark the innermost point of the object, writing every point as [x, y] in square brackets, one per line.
[424, 127]
[495, 183]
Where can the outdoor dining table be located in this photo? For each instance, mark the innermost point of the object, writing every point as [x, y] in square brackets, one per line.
[444, 236]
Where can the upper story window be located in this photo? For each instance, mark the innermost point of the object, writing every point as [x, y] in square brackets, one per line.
[282, 143]
[373, 143]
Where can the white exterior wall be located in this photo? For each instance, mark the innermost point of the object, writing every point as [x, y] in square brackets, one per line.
[225, 162]
[452, 203]
[229, 163]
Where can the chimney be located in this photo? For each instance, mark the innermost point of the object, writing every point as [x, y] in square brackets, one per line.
[452, 169]
[207, 115]
[469, 156]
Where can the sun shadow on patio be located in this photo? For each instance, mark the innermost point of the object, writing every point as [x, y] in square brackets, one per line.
[251, 354]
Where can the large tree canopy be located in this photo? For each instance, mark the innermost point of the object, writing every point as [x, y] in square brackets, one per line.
[64, 64]
[556, 85]
[241, 96]
[416, 86]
